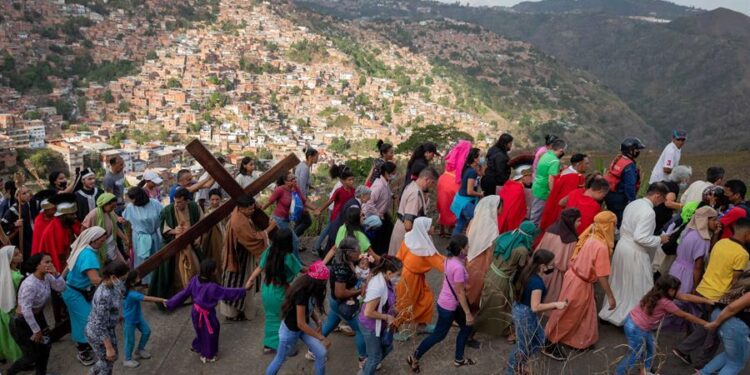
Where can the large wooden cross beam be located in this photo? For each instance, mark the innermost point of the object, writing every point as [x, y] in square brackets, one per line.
[225, 180]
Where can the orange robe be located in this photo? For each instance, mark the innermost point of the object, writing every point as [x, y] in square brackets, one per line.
[414, 299]
[577, 326]
[561, 187]
[477, 269]
[446, 190]
[514, 206]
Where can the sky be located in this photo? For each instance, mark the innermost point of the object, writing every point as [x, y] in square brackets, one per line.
[737, 5]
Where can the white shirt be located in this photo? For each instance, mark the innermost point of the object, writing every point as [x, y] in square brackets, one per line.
[669, 158]
[694, 192]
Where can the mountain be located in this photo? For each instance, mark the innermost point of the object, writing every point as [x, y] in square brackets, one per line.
[640, 8]
[692, 73]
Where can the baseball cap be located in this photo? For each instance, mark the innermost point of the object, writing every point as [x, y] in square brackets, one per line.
[153, 177]
[679, 134]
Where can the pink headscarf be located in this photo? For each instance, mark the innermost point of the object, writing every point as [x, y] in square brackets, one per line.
[318, 270]
[456, 157]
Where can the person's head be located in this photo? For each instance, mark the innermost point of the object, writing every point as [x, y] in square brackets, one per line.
[631, 147]
[132, 280]
[313, 284]
[347, 178]
[138, 196]
[207, 272]
[681, 174]
[388, 170]
[472, 159]
[214, 198]
[10, 188]
[181, 199]
[38, 264]
[116, 164]
[335, 170]
[430, 149]
[184, 177]
[88, 181]
[504, 142]
[522, 174]
[715, 175]
[679, 137]
[281, 245]
[742, 230]
[714, 196]
[598, 188]
[459, 246]
[348, 251]
[549, 139]
[580, 162]
[657, 193]
[113, 271]
[353, 220]
[247, 166]
[246, 205]
[288, 181]
[425, 151]
[16, 256]
[541, 262]
[311, 155]
[58, 180]
[23, 194]
[665, 287]
[427, 178]
[98, 242]
[389, 266]
[107, 202]
[150, 180]
[362, 193]
[735, 191]
[558, 147]
[386, 150]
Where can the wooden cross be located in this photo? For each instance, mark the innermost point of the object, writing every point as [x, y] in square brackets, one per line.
[225, 180]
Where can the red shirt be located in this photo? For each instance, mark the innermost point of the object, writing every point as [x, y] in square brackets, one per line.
[588, 206]
[727, 221]
[340, 196]
[563, 185]
[283, 198]
[56, 242]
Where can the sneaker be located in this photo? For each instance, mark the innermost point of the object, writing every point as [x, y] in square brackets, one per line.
[555, 352]
[86, 358]
[345, 330]
[685, 358]
[142, 354]
[362, 362]
[310, 356]
[130, 364]
[208, 360]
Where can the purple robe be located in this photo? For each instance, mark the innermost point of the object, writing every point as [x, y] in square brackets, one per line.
[692, 247]
[205, 297]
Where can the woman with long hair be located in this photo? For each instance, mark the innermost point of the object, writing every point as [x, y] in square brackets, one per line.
[303, 301]
[498, 170]
[279, 267]
[282, 196]
[378, 315]
[245, 175]
[560, 238]
[387, 153]
[449, 183]
[151, 184]
[419, 160]
[143, 213]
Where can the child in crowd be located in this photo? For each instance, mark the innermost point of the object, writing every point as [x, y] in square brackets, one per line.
[133, 319]
[645, 317]
[362, 270]
[205, 294]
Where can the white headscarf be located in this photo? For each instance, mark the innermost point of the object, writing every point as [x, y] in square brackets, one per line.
[83, 241]
[418, 240]
[483, 229]
[7, 289]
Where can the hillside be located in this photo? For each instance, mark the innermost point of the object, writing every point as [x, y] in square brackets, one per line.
[637, 8]
[693, 73]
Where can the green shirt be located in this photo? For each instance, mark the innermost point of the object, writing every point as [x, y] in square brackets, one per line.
[549, 165]
[364, 242]
[292, 266]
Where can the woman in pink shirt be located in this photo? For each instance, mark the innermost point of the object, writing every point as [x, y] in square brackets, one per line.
[283, 197]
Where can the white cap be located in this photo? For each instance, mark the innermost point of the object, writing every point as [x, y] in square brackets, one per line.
[521, 171]
[64, 208]
[153, 177]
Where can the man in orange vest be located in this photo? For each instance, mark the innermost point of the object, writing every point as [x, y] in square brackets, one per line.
[624, 177]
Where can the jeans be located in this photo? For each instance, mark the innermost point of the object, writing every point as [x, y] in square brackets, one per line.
[467, 213]
[529, 336]
[376, 352]
[129, 333]
[285, 224]
[537, 209]
[288, 340]
[701, 341]
[323, 235]
[443, 325]
[333, 321]
[637, 340]
[735, 335]
[304, 222]
[34, 354]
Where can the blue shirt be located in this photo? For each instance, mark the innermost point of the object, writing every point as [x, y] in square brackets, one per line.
[174, 190]
[628, 181]
[131, 309]
[535, 283]
[87, 260]
[469, 173]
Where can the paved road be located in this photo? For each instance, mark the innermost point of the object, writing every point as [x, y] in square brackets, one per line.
[241, 352]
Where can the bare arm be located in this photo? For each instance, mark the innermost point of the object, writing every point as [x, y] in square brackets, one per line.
[604, 283]
[551, 182]
[154, 299]
[563, 202]
[729, 311]
[698, 271]
[672, 203]
[537, 306]
[253, 276]
[329, 255]
[407, 225]
[689, 317]
[470, 188]
[341, 292]
[461, 293]
[693, 298]
[93, 276]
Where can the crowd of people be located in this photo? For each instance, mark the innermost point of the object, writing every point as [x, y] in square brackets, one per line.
[533, 239]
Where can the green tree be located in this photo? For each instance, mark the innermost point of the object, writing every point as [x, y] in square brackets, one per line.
[441, 135]
[173, 83]
[107, 96]
[45, 161]
[81, 104]
[123, 107]
[64, 108]
[339, 145]
[151, 55]
[360, 167]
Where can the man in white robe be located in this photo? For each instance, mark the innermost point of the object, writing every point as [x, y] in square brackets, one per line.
[631, 276]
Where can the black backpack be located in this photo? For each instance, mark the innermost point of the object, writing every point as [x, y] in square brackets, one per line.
[670, 247]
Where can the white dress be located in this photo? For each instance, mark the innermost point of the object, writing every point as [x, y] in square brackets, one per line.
[631, 276]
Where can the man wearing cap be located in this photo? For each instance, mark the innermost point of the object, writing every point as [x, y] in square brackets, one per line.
[114, 181]
[669, 158]
[513, 195]
[86, 193]
[19, 221]
[45, 217]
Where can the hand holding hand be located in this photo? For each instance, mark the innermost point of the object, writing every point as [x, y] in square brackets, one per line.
[249, 284]
[469, 319]
[326, 343]
[561, 305]
[121, 220]
[712, 326]
[390, 319]
[37, 337]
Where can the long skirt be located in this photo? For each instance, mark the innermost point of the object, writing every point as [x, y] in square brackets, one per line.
[78, 310]
[273, 297]
[577, 325]
[563, 252]
[246, 263]
[477, 268]
[494, 316]
[206, 340]
[631, 279]
[9, 350]
[397, 237]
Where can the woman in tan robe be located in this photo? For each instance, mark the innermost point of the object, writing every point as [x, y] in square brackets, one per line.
[561, 238]
[212, 242]
[482, 233]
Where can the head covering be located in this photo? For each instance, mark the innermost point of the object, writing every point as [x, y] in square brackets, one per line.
[418, 240]
[483, 229]
[602, 229]
[102, 201]
[87, 172]
[456, 157]
[83, 241]
[318, 270]
[521, 237]
[565, 225]
[712, 191]
[688, 210]
[7, 289]
[153, 177]
[699, 222]
[679, 134]
[65, 203]
[520, 171]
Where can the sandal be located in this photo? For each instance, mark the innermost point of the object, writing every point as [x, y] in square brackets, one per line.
[267, 350]
[413, 364]
[464, 362]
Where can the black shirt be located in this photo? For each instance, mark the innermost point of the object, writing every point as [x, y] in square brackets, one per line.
[663, 213]
[300, 299]
[497, 172]
[342, 273]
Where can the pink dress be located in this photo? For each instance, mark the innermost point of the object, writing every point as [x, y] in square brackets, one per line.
[563, 252]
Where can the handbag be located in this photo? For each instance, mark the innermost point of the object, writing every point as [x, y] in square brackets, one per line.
[88, 293]
[348, 311]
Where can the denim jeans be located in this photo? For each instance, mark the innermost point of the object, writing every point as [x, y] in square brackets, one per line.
[529, 336]
[129, 333]
[304, 222]
[323, 235]
[288, 340]
[735, 335]
[443, 325]
[537, 209]
[640, 343]
[286, 224]
[467, 213]
[333, 321]
[376, 352]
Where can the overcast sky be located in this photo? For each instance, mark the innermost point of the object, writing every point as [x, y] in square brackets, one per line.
[738, 5]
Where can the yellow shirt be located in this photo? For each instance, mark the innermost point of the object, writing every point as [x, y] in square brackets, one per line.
[727, 257]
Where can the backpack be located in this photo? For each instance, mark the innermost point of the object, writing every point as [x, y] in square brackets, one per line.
[296, 208]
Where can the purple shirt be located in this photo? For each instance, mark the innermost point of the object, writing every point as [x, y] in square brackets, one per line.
[369, 323]
[455, 272]
[205, 295]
